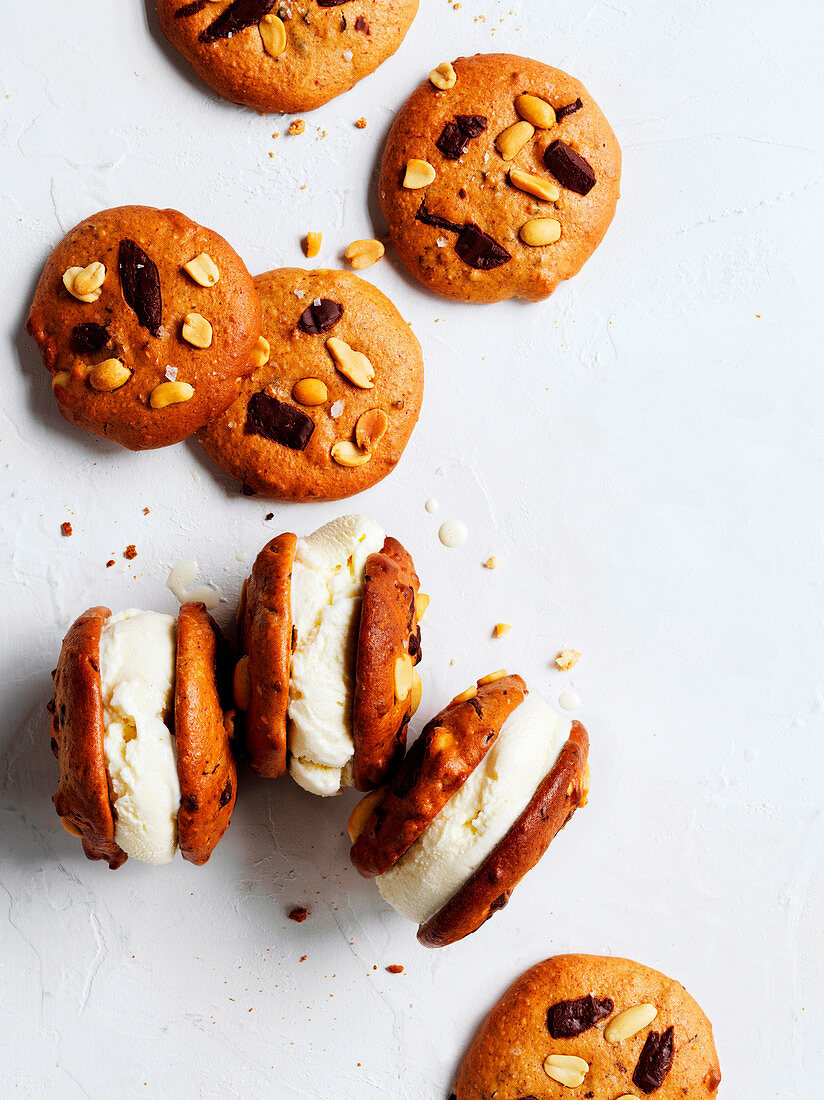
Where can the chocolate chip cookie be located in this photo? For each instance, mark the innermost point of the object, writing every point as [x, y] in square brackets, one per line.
[146, 322]
[285, 55]
[592, 1026]
[499, 179]
[331, 410]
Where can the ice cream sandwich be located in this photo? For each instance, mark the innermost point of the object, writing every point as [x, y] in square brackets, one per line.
[326, 682]
[473, 807]
[139, 730]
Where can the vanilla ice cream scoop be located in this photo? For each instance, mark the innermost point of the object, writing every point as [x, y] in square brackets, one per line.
[137, 670]
[326, 590]
[479, 815]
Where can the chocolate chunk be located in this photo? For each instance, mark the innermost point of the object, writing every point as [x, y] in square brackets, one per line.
[415, 645]
[191, 804]
[278, 421]
[141, 284]
[320, 316]
[655, 1061]
[191, 9]
[89, 337]
[331, 3]
[569, 168]
[237, 17]
[568, 109]
[479, 250]
[361, 25]
[456, 136]
[566, 1019]
[226, 794]
[424, 216]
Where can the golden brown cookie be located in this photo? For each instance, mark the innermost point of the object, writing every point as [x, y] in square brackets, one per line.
[387, 822]
[280, 55]
[205, 764]
[146, 322]
[557, 798]
[331, 411]
[592, 1026]
[387, 687]
[261, 684]
[82, 798]
[499, 179]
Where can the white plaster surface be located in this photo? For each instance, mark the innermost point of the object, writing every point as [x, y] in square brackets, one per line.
[643, 451]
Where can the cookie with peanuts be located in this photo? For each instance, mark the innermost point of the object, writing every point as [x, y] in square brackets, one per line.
[331, 410]
[329, 631]
[146, 322]
[138, 726]
[596, 1026]
[278, 55]
[473, 807]
[499, 178]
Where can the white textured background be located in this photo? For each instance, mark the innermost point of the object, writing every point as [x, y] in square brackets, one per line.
[644, 453]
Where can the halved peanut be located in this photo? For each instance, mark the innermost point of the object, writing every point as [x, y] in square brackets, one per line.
[629, 1022]
[70, 826]
[352, 364]
[511, 141]
[72, 274]
[242, 683]
[443, 77]
[470, 693]
[203, 270]
[362, 812]
[170, 393]
[260, 352]
[421, 604]
[89, 279]
[403, 676]
[313, 243]
[273, 34]
[417, 692]
[347, 454]
[310, 391]
[419, 173]
[370, 428]
[566, 1069]
[109, 375]
[540, 231]
[196, 331]
[534, 185]
[361, 254]
[61, 379]
[491, 677]
[535, 110]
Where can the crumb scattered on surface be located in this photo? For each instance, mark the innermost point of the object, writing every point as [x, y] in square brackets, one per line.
[501, 629]
[66, 529]
[492, 563]
[395, 968]
[303, 958]
[130, 551]
[361, 123]
[146, 511]
[269, 515]
[567, 658]
[110, 563]
[299, 914]
[297, 127]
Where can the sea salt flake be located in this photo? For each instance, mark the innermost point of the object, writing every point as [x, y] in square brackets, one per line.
[336, 410]
[171, 373]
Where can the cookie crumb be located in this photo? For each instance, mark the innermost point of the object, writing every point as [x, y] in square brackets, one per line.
[395, 968]
[567, 658]
[110, 563]
[66, 529]
[269, 515]
[303, 958]
[361, 123]
[145, 511]
[299, 914]
[501, 629]
[297, 127]
[492, 563]
[130, 552]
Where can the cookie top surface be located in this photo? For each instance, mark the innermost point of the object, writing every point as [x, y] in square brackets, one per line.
[294, 430]
[205, 764]
[149, 355]
[567, 1008]
[462, 233]
[448, 750]
[388, 649]
[262, 674]
[488, 889]
[82, 797]
[276, 55]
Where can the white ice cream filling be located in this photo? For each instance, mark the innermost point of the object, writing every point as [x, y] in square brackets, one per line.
[327, 586]
[137, 670]
[479, 815]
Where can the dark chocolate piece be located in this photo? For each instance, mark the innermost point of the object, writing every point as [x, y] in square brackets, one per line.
[141, 284]
[320, 316]
[237, 17]
[191, 9]
[569, 168]
[438, 222]
[479, 250]
[566, 1019]
[226, 794]
[456, 136]
[361, 25]
[89, 337]
[331, 3]
[472, 125]
[278, 421]
[568, 109]
[655, 1061]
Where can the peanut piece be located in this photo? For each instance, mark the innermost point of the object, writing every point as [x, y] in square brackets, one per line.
[567, 658]
[61, 379]
[540, 231]
[629, 1022]
[242, 683]
[501, 629]
[260, 352]
[403, 676]
[352, 364]
[492, 563]
[347, 454]
[197, 331]
[310, 391]
[534, 185]
[419, 173]
[535, 110]
[566, 1069]
[511, 141]
[70, 826]
[203, 270]
[470, 693]
[170, 393]
[586, 779]
[89, 280]
[421, 604]
[109, 375]
[362, 812]
[361, 254]
[370, 428]
[313, 243]
[70, 277]
[491, 677]
[443, 77]
[273, 34]
[417, 692]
